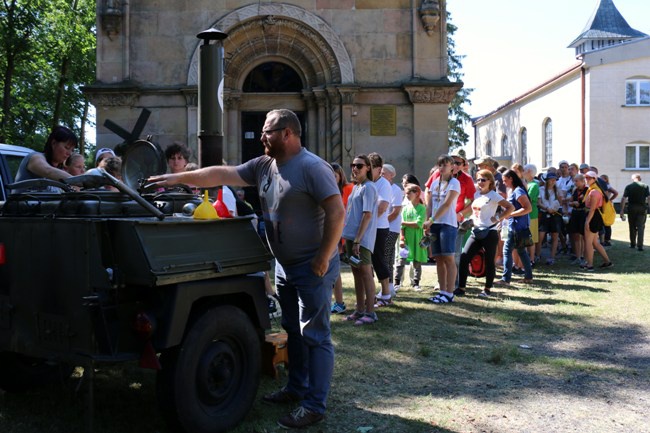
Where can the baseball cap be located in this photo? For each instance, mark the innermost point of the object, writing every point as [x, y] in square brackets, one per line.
[487, 159]
[592, 174]
[550, 175]
[101, 151]
[583, 166]
[459, 153]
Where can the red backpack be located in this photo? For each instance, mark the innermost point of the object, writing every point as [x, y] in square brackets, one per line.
[477, 264]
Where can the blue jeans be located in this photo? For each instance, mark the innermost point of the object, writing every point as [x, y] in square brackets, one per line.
[305, 300]
[444, 239]
[508, 247]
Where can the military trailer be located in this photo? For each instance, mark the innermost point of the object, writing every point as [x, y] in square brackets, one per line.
[89, 277]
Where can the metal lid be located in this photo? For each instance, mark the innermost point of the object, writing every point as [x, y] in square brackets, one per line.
[140, 160]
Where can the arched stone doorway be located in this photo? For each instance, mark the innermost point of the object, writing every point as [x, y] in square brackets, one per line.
[303, 43]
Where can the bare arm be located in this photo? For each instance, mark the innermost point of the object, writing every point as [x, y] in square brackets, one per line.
[40, 167]
[204, 177]
[365, 222]
[333, 226]
[525, 209]
[508, 210]
[381, 208]
[394, 213]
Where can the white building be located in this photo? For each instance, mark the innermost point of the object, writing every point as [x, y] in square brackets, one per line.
[597, 111]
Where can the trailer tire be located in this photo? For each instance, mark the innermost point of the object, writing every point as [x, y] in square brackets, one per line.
[209, 385]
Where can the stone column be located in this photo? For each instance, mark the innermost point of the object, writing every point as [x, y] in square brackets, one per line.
[232, 144]
[311, 135]
[347, 120]
[321, 101]
[334, 150]
[430, 127]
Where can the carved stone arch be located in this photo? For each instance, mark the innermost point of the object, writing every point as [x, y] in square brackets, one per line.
[285, 31]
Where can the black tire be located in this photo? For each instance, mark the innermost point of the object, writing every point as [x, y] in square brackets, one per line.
[209, 384]
[20, 373]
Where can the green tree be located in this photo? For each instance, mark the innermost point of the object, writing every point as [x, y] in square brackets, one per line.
[47, 54]
[458, 117]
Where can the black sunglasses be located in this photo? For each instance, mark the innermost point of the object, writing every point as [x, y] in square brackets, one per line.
[358, 166]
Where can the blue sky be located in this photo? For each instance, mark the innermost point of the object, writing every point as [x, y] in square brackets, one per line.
[513, 45]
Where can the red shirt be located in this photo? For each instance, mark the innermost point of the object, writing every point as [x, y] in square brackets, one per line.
[467, 188]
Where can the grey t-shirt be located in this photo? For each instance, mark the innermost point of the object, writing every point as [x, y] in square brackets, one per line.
[362, 199]
[23, 173]
[290, 196]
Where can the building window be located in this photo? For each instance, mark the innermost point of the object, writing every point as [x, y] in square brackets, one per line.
[637, 156]
[505, 151]
[637, 92]
[523, 139]
[488, 148]
[548, 143]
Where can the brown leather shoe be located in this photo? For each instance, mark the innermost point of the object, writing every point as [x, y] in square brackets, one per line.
[300, 418]
[282, 396]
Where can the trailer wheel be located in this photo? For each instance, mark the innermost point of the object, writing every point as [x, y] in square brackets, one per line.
[209, 385]
[20, 373]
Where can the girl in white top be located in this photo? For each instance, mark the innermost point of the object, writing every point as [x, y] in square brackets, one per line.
[549, 203]
[443, 224]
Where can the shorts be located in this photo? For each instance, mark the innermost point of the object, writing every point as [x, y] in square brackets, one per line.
[577, 222]
[596, 223]
[443, 240]
[550, 223]
[364, 254]
[534, 229]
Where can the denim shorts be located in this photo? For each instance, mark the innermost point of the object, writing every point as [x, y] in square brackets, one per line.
[443, 239]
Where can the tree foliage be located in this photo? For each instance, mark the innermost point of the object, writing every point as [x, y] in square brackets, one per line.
[457, 116]
[47, 52]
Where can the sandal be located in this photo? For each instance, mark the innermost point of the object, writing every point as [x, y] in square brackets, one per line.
[354, 316]
[366, 319]
[442, 299]
[502, 283]
[383, 302]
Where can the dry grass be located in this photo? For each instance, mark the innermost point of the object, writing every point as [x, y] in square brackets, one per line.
[571, 353]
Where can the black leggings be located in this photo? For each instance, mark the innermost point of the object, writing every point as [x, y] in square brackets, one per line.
[471, 248]
[379, 255]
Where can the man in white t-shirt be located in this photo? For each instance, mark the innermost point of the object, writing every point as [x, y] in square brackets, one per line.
[384, 199]
[394, 221]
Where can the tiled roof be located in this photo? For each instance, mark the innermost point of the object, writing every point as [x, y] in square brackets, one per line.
[607, 23]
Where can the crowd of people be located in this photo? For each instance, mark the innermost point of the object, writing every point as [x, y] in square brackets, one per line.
[507, 215]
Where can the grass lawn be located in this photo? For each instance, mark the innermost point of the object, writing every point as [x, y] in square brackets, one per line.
[569, 353]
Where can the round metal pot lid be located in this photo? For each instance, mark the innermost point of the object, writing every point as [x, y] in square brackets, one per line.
[141, 160]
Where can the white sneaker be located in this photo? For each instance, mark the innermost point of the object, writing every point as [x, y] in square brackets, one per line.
[417, 288]
[396, 288]
[391, 290]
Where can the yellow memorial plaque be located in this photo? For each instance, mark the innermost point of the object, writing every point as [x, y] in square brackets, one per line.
[383, 120]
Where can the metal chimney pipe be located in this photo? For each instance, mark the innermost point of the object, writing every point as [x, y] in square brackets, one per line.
[210, 97]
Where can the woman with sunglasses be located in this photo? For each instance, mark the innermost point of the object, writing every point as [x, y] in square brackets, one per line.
[517, 222]
[594, 223]
[359, 233]
[443, 227]
[484, 234]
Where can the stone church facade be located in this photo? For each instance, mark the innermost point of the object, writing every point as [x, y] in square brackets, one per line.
[363, 75]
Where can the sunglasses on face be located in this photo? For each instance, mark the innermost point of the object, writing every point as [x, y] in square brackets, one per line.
[458, 162]
[357, 166]
[481, 180]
